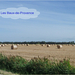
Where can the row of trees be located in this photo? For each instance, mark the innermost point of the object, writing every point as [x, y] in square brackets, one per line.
[38, 42]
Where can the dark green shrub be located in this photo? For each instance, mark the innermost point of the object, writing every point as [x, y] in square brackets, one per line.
[38, 65]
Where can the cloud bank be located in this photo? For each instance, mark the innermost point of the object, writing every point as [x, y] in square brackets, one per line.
[19, 13]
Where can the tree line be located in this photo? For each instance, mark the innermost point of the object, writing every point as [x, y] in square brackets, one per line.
[38, 42]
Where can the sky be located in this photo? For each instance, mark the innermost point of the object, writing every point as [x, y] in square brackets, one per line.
[52, 21]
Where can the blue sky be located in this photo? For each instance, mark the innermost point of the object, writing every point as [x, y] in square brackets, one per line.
[56, 22]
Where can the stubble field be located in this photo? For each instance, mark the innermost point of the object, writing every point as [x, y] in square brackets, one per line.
[31, 51]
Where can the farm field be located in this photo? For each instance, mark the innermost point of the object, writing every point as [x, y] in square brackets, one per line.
[31, 51]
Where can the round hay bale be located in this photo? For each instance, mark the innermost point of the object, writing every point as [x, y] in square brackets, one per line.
[48, 45]
[42, 45]
[17, 44]
[73, 45]
[59, 46]
[13, 46]
[27, 44]
[2, 45]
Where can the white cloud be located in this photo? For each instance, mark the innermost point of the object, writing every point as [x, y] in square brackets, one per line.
[21, 12]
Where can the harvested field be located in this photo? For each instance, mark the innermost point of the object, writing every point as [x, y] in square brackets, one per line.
[32, 51]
